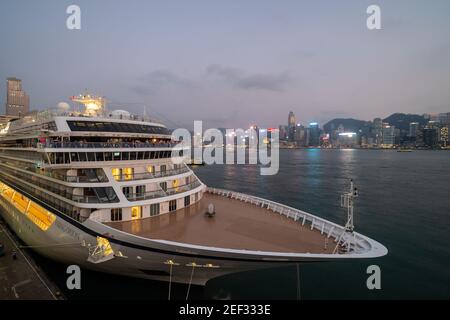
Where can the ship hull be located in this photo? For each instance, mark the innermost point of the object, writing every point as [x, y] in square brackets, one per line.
[68, 244]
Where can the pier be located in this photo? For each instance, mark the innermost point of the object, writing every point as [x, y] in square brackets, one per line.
[20, 277]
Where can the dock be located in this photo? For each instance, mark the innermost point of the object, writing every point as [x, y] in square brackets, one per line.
[21, 278]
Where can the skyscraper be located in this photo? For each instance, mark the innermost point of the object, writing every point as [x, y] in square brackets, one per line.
[413, 129]
[378, 131]
[291, 126]
[388, 136]
[313, 134]
[17, 101]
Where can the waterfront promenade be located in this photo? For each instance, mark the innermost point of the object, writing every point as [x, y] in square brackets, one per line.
[21, 278]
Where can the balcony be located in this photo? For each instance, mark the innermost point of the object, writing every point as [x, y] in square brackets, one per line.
[162, 193]
[92, 145]
[150, 175]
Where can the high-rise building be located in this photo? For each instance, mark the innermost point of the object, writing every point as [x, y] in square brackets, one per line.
[313, 134]
[291, 119]
[388, 136]
[17, 101]
[291, 126]
[300, 135]
[378, 131]
[444, 135]
[431, 137]
[413, 129]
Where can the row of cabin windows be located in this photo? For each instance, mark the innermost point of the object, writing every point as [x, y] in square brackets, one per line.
[67, 157]
[140, 190]
[128, 173]
[116, 213]
[115, 127]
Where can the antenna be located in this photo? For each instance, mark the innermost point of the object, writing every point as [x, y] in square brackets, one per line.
[346, 240]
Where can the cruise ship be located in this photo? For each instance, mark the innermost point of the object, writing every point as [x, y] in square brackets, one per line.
[100, 190]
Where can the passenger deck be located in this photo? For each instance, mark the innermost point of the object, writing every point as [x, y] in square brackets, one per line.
[236, 225]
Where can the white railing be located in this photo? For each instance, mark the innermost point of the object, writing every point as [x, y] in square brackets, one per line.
[330, 229]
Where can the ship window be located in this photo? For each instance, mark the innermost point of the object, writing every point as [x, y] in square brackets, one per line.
[140, 156]
[115, 127]
[91, 156]
[140, 191]
[187, 201]
[99, 156]
[151, 169]
[127, 191]
[74, 156]
[163, 186]
[136, 212]
[125, 156]
[152, 154]
[147, 155]
[82, 156]
[116, 214]
[132, 155]
[128, 173]
[117, 173]
[108, 156]
[154, 209]
[172, 205]
[116, 155]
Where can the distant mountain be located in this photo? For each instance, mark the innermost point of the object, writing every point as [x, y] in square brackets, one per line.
[350, 125]
[402, 120]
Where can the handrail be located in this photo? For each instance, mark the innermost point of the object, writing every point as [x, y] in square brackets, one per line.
[150, 175]
[162, 193]
[323, 226]
[106, 145]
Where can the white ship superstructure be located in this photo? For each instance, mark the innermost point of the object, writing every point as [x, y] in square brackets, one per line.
[100, 190]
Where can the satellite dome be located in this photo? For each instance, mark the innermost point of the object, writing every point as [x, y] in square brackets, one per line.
[63, 106]
[120, 113]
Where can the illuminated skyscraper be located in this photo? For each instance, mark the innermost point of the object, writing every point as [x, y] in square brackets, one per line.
[17, 101]
[291, 126]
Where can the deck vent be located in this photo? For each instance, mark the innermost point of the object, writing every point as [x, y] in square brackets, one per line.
[211, 212]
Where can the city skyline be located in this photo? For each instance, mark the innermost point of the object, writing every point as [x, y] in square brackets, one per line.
[231, 64]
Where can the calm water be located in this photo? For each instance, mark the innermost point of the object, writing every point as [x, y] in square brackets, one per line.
[404, 203]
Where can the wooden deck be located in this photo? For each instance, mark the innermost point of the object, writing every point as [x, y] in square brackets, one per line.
[236, 225]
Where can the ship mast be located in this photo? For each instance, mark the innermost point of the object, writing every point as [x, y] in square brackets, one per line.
[347, 238]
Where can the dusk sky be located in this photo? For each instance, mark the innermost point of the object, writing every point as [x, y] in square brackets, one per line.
[232, 63]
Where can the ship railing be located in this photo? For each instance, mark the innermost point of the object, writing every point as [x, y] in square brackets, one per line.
[162, 193]
[91, 145]
[150, 175]
[69, 178]
[330, 229]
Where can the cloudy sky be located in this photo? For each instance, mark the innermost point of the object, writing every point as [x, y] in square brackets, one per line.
[233, 63]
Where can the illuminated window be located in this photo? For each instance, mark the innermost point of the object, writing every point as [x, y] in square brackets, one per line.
[117, 173]
[175, 184]
[128, 173]
[151, 169]
[136, 213]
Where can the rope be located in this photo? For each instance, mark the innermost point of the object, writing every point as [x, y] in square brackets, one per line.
[298, 281]
[170, 279]
[190, 281]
